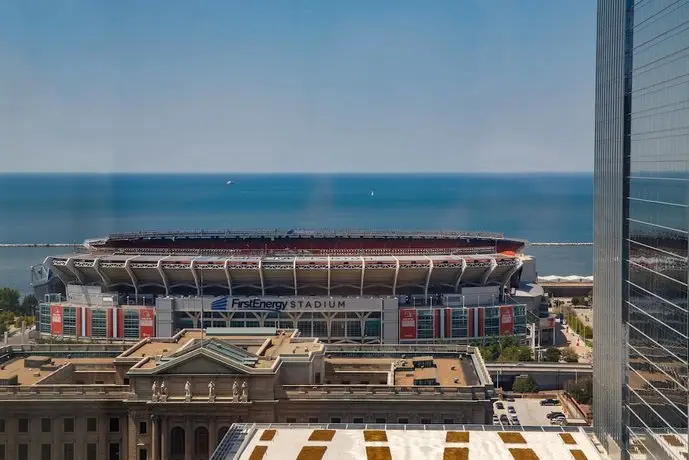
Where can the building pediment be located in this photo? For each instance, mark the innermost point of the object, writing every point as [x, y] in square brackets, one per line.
[199, 361]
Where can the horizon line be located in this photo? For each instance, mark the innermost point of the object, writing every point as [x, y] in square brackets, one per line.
[292, 173]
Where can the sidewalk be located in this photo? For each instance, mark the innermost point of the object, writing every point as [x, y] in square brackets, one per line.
[578, 344]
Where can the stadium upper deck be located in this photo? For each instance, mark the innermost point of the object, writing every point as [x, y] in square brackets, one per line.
[321, 242]
[292, 263]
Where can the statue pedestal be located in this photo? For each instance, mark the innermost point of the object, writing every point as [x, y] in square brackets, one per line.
[211, 398]
[187, 398]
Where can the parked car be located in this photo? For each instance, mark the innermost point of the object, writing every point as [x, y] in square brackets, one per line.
[511, 410]
[504, 420]
[555, 414]
[499, 406]
[550, 402]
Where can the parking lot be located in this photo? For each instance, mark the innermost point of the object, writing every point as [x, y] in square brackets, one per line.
[529, 411]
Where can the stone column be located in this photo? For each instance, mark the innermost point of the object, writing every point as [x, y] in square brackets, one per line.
[164, 436]
[212, 435]
[154, 438]
[103, 445]
[188, 439]
[126, 426]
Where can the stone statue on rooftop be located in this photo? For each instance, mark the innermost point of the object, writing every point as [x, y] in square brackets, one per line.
[187, 391]
[245, 391]
[211, 391]
[163, 391]
[235, 391]
[155, 390]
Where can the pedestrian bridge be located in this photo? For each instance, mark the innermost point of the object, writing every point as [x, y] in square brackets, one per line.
[548, 376]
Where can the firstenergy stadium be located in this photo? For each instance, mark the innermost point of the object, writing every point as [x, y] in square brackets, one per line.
[341, 286]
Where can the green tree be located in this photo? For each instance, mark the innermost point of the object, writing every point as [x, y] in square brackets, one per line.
[490, 352]
[525, 385]
[516, 354]
[552, 355]
[581, 390]
[29, 304]
[9, 300]
[569, 355]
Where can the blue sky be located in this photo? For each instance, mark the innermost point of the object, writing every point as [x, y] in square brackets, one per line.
[297, 86]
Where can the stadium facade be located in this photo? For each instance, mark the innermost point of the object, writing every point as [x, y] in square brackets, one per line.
[343, 287]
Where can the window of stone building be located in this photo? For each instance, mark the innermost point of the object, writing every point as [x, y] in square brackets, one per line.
[2, 425]
[313, 419]
[46, 425]
[46, 451]
[91, 424]
[318, 378]
[335, 420]
[177, 440]
[143, 427]
[449, 421]
[403, 421]
[143, 454]
[68, 451]
[68, 425]
[2, 452]
[114, 424]
[358, 420]
[201, 441]
[380, 420]
[23, 452]
[91, 451]
[23, 425]
[425, 421]
[291, 420]
[114, 451]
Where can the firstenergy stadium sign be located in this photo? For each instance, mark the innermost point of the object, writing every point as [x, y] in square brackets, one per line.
[293, 304]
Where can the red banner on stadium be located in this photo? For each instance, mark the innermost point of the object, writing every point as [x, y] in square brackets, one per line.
[506, 320]
[56, 319]
[146, 322]
[408, 323]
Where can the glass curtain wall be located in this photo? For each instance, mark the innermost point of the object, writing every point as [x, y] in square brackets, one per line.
[641, 224]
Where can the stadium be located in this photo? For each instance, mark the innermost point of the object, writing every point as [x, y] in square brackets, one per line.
[341, 286]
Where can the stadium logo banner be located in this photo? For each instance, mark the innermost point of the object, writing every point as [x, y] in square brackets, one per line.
[279, 304]
[506, 320]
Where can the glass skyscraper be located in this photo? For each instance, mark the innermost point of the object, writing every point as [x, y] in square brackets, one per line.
[641, 214]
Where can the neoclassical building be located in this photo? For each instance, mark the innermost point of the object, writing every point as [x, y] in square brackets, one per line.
[175, 398]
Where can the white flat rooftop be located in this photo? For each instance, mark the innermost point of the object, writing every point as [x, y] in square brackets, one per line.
[419, 442]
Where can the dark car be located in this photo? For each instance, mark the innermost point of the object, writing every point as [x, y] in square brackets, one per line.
[499, 406]
[553, 415]
[511, 410]
[550, 402]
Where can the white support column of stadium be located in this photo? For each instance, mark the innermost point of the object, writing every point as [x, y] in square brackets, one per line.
[163, 276]
[260, 275]
[363, 273]
[328, 276]
[428, 276]
[103, 277]
[397, 274]
[461, 273]
[192, 267]
[506, 280]
[294, 271]
[73, 269]
[226, 267]
[132, 276]
[57, 270]
[489, 270]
